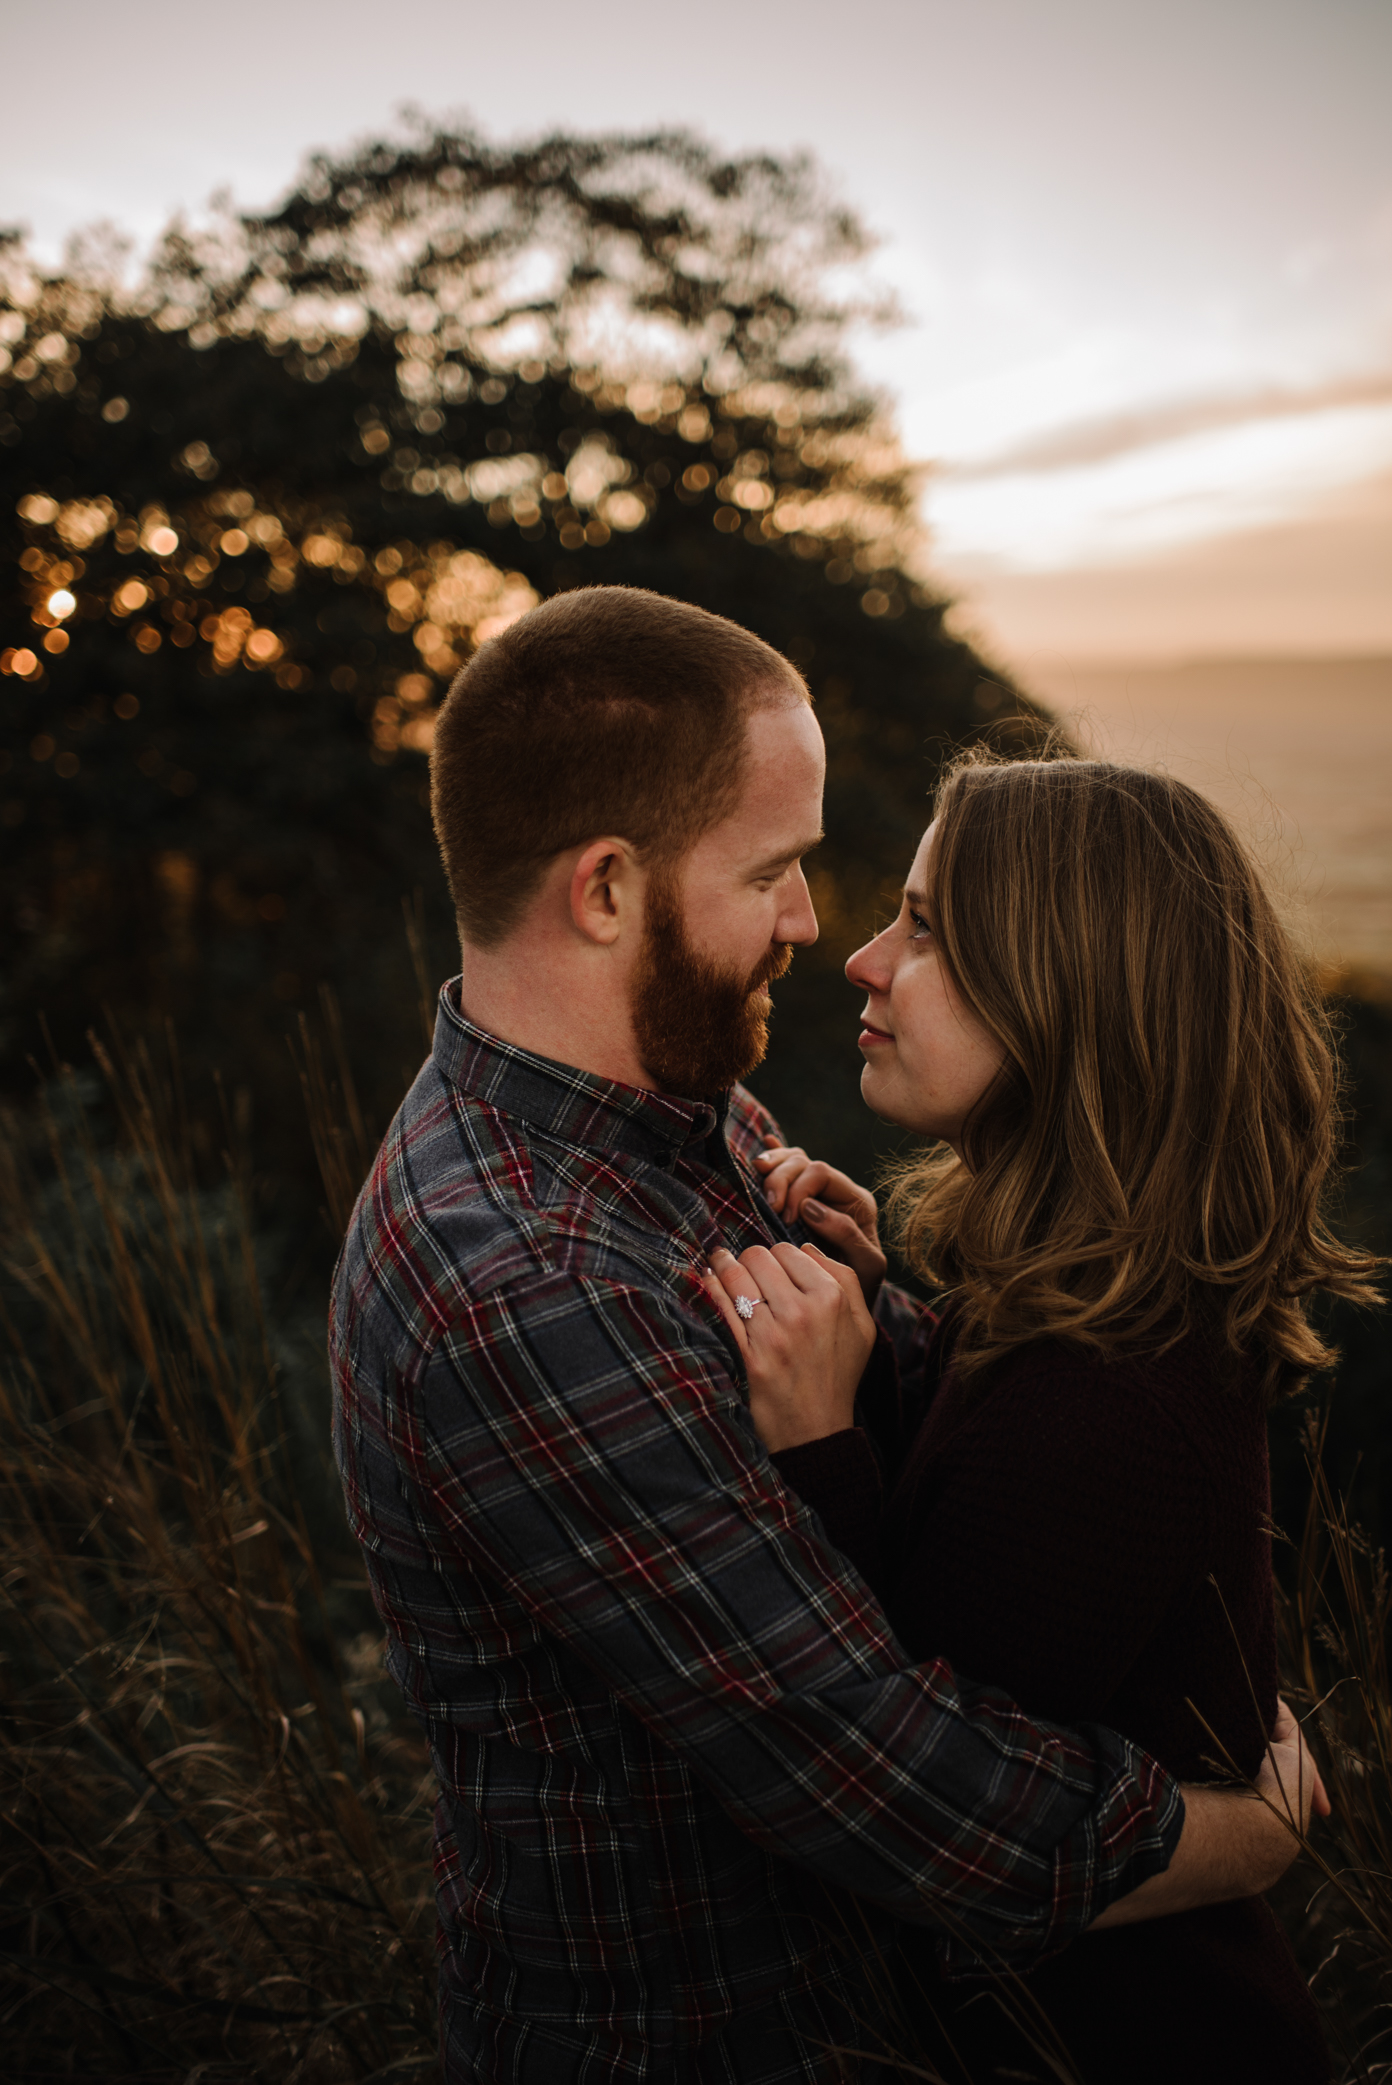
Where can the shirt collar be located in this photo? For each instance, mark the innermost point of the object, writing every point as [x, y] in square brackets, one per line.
[572, 1105]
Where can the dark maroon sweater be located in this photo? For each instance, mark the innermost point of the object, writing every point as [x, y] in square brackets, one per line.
[1092, 1537]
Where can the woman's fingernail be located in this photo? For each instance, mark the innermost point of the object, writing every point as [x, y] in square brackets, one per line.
[814, 1210]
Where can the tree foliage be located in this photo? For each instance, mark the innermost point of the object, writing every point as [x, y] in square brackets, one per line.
[257, 508]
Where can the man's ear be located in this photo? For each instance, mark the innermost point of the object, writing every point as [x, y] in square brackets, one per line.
[606, 891]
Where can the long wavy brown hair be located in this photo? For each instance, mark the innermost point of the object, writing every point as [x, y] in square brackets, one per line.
[1152, 1157]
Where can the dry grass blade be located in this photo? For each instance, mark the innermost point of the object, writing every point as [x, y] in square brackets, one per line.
[344, 1146]
[893, 2045]
[1337, 1901]
[413, 913]
[215, 1846]
[1336, 1620]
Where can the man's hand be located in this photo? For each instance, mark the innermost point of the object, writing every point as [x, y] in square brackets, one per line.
[1288, 1778]
[1236, 1842]
[841, 1213]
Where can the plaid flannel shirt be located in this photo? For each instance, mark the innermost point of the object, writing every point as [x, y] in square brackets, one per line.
[676, 1741]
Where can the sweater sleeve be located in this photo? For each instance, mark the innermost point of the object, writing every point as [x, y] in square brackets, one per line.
[901, 1377]
[841, 1476]
[838, 1476]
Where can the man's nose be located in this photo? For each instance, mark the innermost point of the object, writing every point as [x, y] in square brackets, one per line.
[798, 922]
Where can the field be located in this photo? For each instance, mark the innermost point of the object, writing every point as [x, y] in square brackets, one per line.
[216, 1817]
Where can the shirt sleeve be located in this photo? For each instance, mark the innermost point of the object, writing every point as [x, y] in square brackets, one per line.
[585, 1442]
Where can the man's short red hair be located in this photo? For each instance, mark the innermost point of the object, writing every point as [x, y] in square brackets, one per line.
[607, 710]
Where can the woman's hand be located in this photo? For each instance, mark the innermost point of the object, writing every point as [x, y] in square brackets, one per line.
[829, 1203]
[805, 1339]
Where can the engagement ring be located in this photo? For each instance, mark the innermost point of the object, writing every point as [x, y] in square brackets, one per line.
[747, 1305]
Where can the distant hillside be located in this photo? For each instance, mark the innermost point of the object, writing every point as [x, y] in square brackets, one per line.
[1308, 740]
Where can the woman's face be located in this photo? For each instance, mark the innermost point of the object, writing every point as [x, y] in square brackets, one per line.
[928, 1060]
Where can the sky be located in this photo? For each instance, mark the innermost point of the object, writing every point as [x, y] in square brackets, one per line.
[1145, 254]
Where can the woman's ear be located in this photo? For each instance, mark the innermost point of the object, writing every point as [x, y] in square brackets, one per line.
[606, 891]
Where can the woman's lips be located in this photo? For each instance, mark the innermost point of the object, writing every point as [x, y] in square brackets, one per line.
[869, 1036]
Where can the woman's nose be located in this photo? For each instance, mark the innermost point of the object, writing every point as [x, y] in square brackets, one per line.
[870, 968]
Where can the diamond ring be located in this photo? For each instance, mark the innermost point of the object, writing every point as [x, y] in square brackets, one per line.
[745, 1306]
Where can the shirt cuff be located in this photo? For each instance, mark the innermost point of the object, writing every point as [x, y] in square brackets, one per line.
[1130, 1834]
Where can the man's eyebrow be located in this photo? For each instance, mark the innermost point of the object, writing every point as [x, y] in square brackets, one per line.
[790, 854]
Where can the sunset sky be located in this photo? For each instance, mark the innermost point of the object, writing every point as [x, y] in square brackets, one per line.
[1146, 253]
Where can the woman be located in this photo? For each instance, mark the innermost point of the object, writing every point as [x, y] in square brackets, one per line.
[1088, 1006]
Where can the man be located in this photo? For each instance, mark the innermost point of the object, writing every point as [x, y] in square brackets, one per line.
[680, 1753]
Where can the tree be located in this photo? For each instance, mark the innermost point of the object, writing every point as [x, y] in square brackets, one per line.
[257, 509]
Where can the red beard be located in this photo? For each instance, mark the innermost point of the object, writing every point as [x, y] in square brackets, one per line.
[699, 1029]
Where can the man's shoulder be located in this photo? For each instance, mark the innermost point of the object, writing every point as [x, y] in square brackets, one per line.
[464, 1203]
[445, 1211]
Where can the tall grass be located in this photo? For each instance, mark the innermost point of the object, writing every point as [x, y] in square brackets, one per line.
[215, 1859]
[1337, 1629]
[214, 1816]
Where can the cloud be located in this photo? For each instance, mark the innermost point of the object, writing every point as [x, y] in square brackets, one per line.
[1314, 585]
[1136, 502]
[1080, 443]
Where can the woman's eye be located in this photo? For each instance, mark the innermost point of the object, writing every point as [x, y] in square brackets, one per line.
[921, 928]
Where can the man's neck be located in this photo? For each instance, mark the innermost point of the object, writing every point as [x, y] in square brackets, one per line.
[577, 1018]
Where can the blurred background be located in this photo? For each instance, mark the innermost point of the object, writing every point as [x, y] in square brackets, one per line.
[1008, 367]
[1145, 267]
